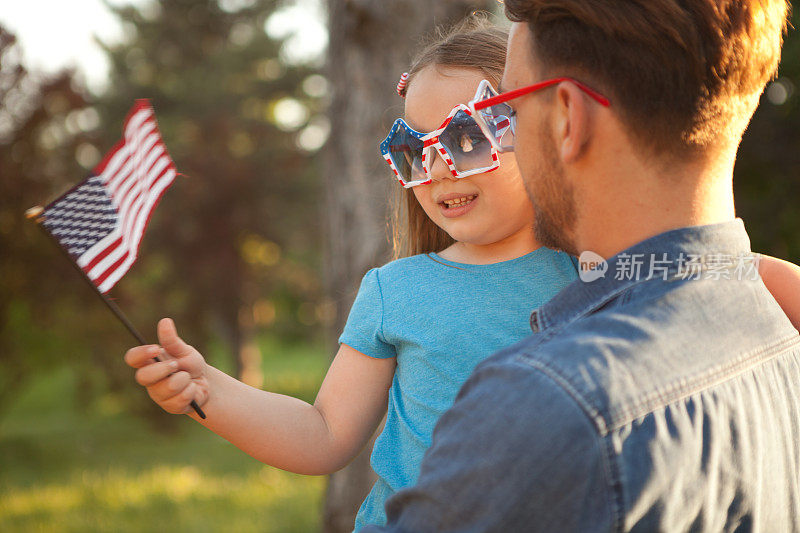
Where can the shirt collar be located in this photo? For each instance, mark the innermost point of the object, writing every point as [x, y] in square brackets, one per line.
[660, 256]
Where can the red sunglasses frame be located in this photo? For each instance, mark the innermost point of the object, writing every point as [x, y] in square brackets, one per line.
[516, 93]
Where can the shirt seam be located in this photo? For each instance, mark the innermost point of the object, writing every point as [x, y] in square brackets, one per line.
[693, 385]
[591, 413]
[576, 263]
[610, 469]
[600, 300]
[429, 256]
[642, 407]
[380, 295]
[586, 309]
[614, 477]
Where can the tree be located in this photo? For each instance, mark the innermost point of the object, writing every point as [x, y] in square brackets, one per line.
[236, 246]
[45, 126]
[372, 42]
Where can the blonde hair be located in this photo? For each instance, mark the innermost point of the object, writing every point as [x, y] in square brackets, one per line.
[475, 43]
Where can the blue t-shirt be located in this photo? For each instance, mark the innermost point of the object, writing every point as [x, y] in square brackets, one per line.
[440, 319]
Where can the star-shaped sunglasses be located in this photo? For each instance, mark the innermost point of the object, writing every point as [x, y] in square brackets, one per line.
[468, 141]
[459, 141]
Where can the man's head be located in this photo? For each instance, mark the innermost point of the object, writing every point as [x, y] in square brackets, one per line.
[684, 79]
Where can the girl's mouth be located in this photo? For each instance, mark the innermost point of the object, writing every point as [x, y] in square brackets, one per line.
[458, 202]
[455, 207]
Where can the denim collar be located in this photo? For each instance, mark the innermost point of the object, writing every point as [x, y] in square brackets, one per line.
[663, 255]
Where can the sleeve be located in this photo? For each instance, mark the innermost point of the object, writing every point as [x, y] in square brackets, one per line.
[364, 328]
[514, 453]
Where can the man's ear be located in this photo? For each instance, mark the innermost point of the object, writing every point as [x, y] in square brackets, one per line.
[572, 122]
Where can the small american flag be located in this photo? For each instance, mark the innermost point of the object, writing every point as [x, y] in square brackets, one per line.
[100, 221]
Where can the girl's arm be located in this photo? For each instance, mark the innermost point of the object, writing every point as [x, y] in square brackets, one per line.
[275, 429]
[782, 278]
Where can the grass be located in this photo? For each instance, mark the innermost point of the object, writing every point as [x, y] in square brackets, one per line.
[104, 470]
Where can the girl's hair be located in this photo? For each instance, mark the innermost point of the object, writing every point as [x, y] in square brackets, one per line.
[475, 43]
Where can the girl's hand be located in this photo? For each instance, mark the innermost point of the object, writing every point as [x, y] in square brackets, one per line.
[181, 375]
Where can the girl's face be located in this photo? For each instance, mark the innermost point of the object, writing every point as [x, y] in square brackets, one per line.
[481, 209]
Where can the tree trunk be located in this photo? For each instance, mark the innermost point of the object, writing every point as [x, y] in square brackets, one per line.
[371, 43]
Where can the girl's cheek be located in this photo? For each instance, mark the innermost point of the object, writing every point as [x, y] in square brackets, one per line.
[423, 195]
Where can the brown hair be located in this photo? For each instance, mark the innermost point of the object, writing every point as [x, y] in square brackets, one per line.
[475, 43]
[683, 75]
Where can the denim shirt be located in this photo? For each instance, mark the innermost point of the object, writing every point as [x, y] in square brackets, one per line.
[663, 401]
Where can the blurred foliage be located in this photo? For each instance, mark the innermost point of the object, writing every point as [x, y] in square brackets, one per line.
[65, 467]
[234, 247]
[767, 175]
[232, 250]
[42, 308]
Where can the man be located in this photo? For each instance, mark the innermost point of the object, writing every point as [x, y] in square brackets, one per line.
[663, 391]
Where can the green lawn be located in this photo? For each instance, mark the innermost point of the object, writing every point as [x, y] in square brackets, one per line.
[62, 470]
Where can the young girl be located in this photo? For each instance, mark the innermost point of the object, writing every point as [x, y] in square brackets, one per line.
[472, 274]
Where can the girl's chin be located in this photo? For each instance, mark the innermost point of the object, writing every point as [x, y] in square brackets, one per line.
[482, 233]
[469, 235]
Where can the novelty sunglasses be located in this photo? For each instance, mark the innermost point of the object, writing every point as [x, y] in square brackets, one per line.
[494, 116]
[459, 141]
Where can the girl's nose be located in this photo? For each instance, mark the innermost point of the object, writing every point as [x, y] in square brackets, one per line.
[439, 169]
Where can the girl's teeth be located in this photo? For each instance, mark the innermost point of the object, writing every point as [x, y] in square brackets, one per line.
[457, 202]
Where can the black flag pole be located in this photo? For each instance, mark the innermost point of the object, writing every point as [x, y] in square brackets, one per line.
[35, 214]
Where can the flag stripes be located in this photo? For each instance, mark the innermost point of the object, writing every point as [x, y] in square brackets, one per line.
[101, 221]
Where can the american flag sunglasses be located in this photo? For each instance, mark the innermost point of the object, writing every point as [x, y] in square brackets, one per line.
[493, 114]
[459, 141]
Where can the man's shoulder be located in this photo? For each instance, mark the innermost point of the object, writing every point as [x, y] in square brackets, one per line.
[560, 362]
[639, 352]
[525, 376]
[524, 435]
[510, 388]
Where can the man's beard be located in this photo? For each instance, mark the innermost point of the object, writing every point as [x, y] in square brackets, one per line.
[553, 200]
